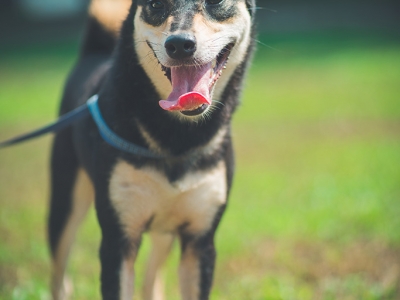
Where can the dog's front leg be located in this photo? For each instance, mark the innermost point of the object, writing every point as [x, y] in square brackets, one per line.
[117, 250]
[117, 273]
[197, 266]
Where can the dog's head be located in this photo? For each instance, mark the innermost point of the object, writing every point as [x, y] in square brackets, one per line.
[190, 48]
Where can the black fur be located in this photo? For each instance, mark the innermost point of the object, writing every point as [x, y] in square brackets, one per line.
[64, 167]
[183, 12]
[97, 39]
[126, 95]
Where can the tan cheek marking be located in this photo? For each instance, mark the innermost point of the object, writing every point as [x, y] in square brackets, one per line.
[241, 27]
[143, 33]
[110, 13]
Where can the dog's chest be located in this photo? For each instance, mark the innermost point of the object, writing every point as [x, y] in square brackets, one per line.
[145, 197]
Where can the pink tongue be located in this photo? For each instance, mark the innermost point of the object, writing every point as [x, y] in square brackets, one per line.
[190, 88]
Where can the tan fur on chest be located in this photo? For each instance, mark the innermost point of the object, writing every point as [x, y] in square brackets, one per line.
[141, 195]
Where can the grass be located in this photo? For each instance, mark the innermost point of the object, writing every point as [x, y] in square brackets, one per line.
[314, 211]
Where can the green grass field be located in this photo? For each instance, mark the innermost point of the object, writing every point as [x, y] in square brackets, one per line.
[315, 208]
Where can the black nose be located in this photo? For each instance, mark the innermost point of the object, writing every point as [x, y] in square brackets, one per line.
[180, 46]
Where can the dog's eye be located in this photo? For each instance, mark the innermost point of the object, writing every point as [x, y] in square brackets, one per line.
[213, 2]
[156, 4]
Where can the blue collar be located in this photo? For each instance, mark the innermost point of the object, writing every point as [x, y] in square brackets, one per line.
[112, 138]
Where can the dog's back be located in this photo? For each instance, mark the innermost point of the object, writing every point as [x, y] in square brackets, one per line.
[105, 18]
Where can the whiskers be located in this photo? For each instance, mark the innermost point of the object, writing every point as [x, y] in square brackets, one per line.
[151, 55]
[262, 8]
[268, 46]
[207, 115]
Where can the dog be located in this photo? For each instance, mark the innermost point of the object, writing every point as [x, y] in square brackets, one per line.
[168, 75]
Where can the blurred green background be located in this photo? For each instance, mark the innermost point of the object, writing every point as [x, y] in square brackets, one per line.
[315, 207]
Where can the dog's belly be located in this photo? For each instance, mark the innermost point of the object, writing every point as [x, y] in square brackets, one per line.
[145, 197]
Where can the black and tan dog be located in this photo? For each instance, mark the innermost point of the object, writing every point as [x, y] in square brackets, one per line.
[192, 54]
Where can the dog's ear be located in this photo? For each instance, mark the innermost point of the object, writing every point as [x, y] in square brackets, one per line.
[251, 6]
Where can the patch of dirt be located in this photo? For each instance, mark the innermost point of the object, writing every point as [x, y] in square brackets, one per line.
[324, 264]
[8, 278]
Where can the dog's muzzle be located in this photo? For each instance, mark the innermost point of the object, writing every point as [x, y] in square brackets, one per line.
[192, 83]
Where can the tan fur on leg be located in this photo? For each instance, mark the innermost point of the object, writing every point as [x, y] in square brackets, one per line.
[153, 285]
[126, 279]
[189, 275]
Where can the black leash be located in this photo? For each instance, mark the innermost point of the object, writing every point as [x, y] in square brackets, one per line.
[63, 122]
[90, 108]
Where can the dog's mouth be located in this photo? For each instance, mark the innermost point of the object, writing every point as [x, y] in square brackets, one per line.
[192, 86]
